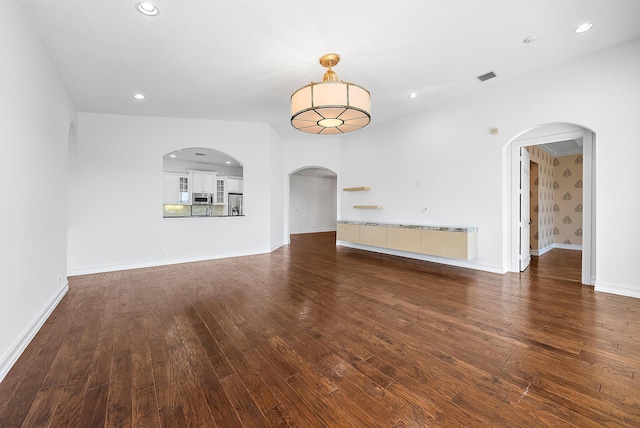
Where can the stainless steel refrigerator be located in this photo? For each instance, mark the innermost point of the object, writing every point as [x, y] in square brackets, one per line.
[235, 204]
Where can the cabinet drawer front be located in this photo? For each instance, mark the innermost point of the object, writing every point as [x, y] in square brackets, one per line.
[375, 236]
[431, 242]
[454, 245]
[403, 239]
[348, 232]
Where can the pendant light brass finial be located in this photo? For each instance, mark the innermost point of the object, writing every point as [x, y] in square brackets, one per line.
[329, 60]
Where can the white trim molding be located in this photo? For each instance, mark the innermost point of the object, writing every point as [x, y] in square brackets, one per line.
[545, 250]
[88, 270]
[553, 246]
[575, 247]
[11, 356]
[511, 206]
[326, 229]
[622, 290]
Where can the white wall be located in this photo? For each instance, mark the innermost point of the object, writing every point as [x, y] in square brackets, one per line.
[312, 203]
[276, 212]
[464, 167]
[35, 118]
[115, 218]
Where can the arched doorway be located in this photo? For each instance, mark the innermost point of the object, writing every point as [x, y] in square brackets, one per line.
[540, 136]
[312, 200]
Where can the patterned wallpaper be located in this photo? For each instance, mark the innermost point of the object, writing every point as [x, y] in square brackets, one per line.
[567, 209]
[542, 187]
[556, 199]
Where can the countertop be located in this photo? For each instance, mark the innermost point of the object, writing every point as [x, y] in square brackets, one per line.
[464, 229]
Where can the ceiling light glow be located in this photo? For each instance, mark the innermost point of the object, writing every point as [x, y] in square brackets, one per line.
[147, 9]
[413, 95]
[583, 28]
[139, 96]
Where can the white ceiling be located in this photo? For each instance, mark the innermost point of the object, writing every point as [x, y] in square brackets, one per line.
[202, 155]
[240, 60]
[563, 148]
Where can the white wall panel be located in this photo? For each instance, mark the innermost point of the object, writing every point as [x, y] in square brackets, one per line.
[115, 218]
[312, 204]
[36, 115]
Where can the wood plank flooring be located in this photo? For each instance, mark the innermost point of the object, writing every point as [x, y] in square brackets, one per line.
[314, 335]
[557, 263]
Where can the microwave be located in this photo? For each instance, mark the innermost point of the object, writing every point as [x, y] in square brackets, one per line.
[201, 198]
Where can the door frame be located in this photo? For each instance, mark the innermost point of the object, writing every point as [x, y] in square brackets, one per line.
[287, 198]
[588, 191]
[524, 214]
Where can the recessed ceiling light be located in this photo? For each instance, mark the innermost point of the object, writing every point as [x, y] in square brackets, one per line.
[172, 156]
[529, 39]
[583, 27]
[147, 9]
[139, 96]
[413, 95]
[228, 162]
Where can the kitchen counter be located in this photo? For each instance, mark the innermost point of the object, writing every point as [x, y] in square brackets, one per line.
[200, 216]
[457, 242]
[464, 229]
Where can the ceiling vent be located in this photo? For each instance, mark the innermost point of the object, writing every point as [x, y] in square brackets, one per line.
[200, 154]
[487, 76]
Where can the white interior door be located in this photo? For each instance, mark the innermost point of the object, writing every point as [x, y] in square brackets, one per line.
[525, 215]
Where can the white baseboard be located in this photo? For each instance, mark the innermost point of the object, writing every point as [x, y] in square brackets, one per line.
[300, 232]
[622, 290]
[568, 246]
[88, 270]
[442, 260]
[545, 250]
[276, 246]
[11, 356]
[552, 246]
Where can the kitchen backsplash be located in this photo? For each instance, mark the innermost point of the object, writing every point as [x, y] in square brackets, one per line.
[195, 210]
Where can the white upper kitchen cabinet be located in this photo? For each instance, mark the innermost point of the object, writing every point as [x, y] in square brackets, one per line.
[234, 184]
[203, 181]
[176, 188]
[220, 195]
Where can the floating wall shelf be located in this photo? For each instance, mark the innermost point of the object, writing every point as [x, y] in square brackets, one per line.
[368, 207]
[356, 189]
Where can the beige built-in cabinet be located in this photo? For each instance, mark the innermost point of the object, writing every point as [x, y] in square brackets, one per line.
[461, 243]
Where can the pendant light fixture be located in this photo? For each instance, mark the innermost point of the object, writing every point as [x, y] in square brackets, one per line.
[330, 106]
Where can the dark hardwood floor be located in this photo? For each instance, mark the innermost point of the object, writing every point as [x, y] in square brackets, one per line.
[557, 264]
[314, 335]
